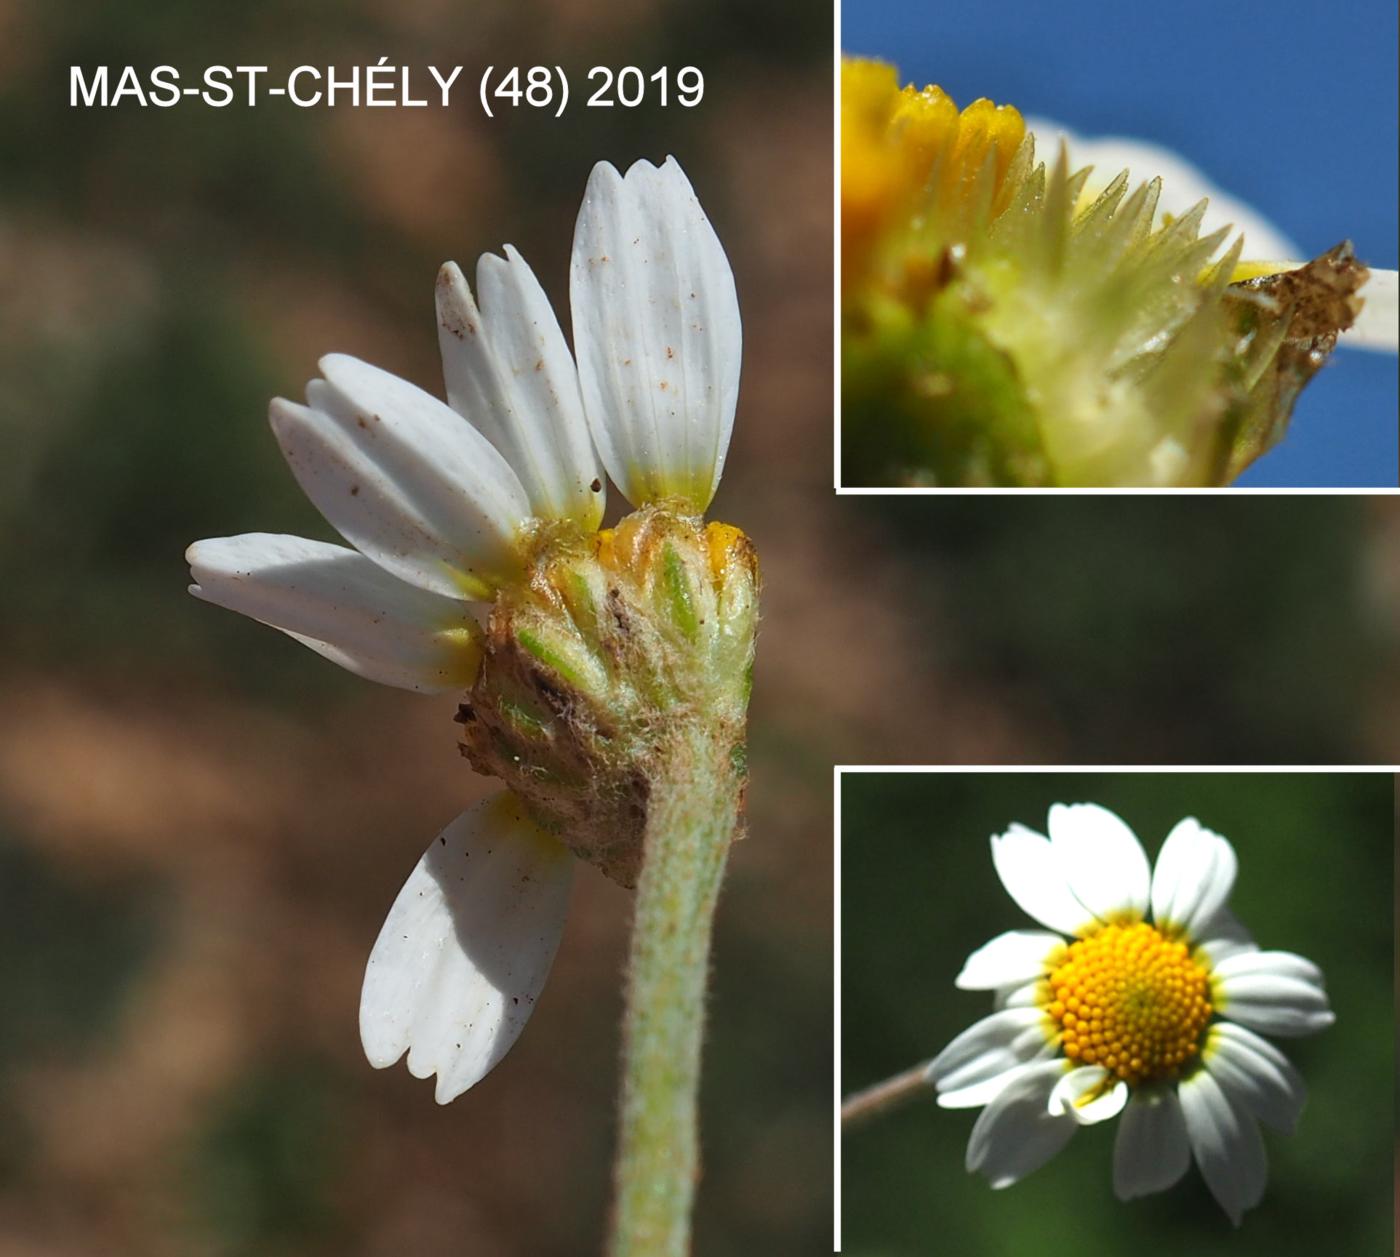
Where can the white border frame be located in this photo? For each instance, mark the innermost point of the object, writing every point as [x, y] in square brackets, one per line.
[1391, 770]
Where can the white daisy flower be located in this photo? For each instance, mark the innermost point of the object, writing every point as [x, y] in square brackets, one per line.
[444, 505]
[1144, 997]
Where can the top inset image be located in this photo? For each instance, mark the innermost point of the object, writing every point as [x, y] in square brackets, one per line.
[1088, 247]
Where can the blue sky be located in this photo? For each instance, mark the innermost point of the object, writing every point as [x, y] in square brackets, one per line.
[1289, 106]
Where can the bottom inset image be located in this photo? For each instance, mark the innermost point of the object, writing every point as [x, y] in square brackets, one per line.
[1103, 1011]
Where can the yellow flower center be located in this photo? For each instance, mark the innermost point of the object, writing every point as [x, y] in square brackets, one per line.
[1132, 1000]
[907, 153]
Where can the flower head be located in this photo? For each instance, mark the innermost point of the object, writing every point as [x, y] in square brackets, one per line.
[1143, 998]
[478, 565]
[1018, 322]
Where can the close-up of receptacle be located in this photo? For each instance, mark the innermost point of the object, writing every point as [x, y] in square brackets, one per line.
[1092, 248]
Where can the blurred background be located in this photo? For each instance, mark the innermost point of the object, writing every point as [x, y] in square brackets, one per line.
[202, 824]
[919, 893]
[1290, 107]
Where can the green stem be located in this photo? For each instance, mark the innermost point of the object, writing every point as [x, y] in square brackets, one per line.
[884, 1096]
[692, 812]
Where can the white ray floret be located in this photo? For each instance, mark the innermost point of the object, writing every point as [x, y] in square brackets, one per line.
[466, 948]
[1378, 324]
[1226, 1144]
[656, 330]
[402, 478]
[1183, 996]
[1274, 992]
[985, 1058]
[1105, 865]
[343, 606]
[1151, 1152]
[1195, 874]
[1034, 876]
[1016, 1133]
[1088, 1095]
[1016, 957]
[510, 374]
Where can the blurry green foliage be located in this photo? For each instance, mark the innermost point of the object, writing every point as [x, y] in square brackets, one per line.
[70, 949]
[766, 1057]
[264, 1168]
[1152, 629]
[919, 893]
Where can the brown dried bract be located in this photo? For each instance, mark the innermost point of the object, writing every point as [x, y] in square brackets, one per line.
[1319, 301]
[1322, 296]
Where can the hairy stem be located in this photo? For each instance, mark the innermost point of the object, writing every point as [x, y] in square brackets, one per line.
[693, 809]
[884, 1096]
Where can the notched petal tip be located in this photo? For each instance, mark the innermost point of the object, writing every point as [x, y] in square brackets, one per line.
[466, 948]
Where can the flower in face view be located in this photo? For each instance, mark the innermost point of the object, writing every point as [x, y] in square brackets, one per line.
[474, 527]
[1143, 998]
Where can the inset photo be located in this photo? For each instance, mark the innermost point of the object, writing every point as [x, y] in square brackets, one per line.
[1115, 1011]
[1097, 250]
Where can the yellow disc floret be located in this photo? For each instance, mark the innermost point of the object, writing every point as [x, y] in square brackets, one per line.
[908, 154]
[1132, 1000]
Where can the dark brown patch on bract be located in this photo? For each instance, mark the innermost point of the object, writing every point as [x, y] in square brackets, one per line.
[1322, 295]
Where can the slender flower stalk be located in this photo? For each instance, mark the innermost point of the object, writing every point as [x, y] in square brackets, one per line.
[883, 1097]
[603, 673]
[692, 816]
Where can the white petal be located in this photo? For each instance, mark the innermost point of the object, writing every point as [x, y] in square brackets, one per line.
[1033, 877]
[1151, 1151]
[975, 1066]
[1017, 1133]
[1182, 184]
[656, 330]
[404, 479]
[1256, 1075]
[1227, 1145]
[1222, 935]
[344, 607]
[1010, 959]
[1274, 992]
[1104, 863]
[1022, 996]
[1285, 964]
[1083, 1095]
[466, 947]
[510, 374]
[1194, 876]
[1378, 324]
